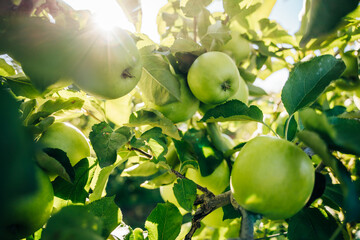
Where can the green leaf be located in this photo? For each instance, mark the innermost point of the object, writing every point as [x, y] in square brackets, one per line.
[5, 69]
[233, 110]
[53, 106]
[199, 147]
[26, 108]
[347, 137]
[185, 193]
[155, 119]
[157, 83]
[55, 162]
[21, 86]
[157, 143]
[312, 224]
[187, 45]
[106, 210]
[164, 222]
[256, 91]
[106, 142]
[341, 134]
[316, 122]
[42, 126]
[308, 80]
[74, 191]
[325, 16]
[273, 31]
[101, 179]
[351, 197]
[333, 193]
[192, 8]
[133, 12]
[73, 222]
[217, 35]
[292, 130]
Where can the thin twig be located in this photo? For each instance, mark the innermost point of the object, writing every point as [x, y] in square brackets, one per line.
[201, 188]
[141, 151]
[92, 115]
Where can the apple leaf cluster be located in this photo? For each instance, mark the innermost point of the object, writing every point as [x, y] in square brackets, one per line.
[111, 135]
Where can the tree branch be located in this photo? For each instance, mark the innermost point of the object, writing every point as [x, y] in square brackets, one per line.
[201, 188]
[247, 221]
[206, 208]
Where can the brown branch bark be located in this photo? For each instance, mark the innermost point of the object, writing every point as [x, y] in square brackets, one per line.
[206, 208]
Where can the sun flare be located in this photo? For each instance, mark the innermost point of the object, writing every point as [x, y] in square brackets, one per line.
[107, 13]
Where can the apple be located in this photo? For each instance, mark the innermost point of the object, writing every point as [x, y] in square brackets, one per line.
[108, 64]
[242, 95]
[237, 47]
[213, 78]
[272, 177]
[68, 138]
[216, 182]
[41, 48]
[182, 110]
[30, 212]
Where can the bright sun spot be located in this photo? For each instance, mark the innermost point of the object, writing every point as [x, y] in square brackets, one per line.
[107, 13]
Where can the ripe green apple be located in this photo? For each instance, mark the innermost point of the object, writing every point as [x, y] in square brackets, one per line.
[237, 47]
[182, 110]
[29, 213]
[108, 64]
[41, 48]
[216, 182]
[242, 95]
[213, 78]
[68, 138]
[272, 177]
[349, 79]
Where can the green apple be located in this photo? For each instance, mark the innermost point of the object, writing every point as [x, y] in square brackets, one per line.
[108, 64]
[182, 110]
[237, 47]
[213, 78]
[242, 95]
[68, 138]
[272, 177]
[29, 213]
[41, 48]
[216, 182]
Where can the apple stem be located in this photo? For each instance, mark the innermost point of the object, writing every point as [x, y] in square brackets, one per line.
[271, 129]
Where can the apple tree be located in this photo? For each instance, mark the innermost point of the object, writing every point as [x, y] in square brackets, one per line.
[111, 135]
